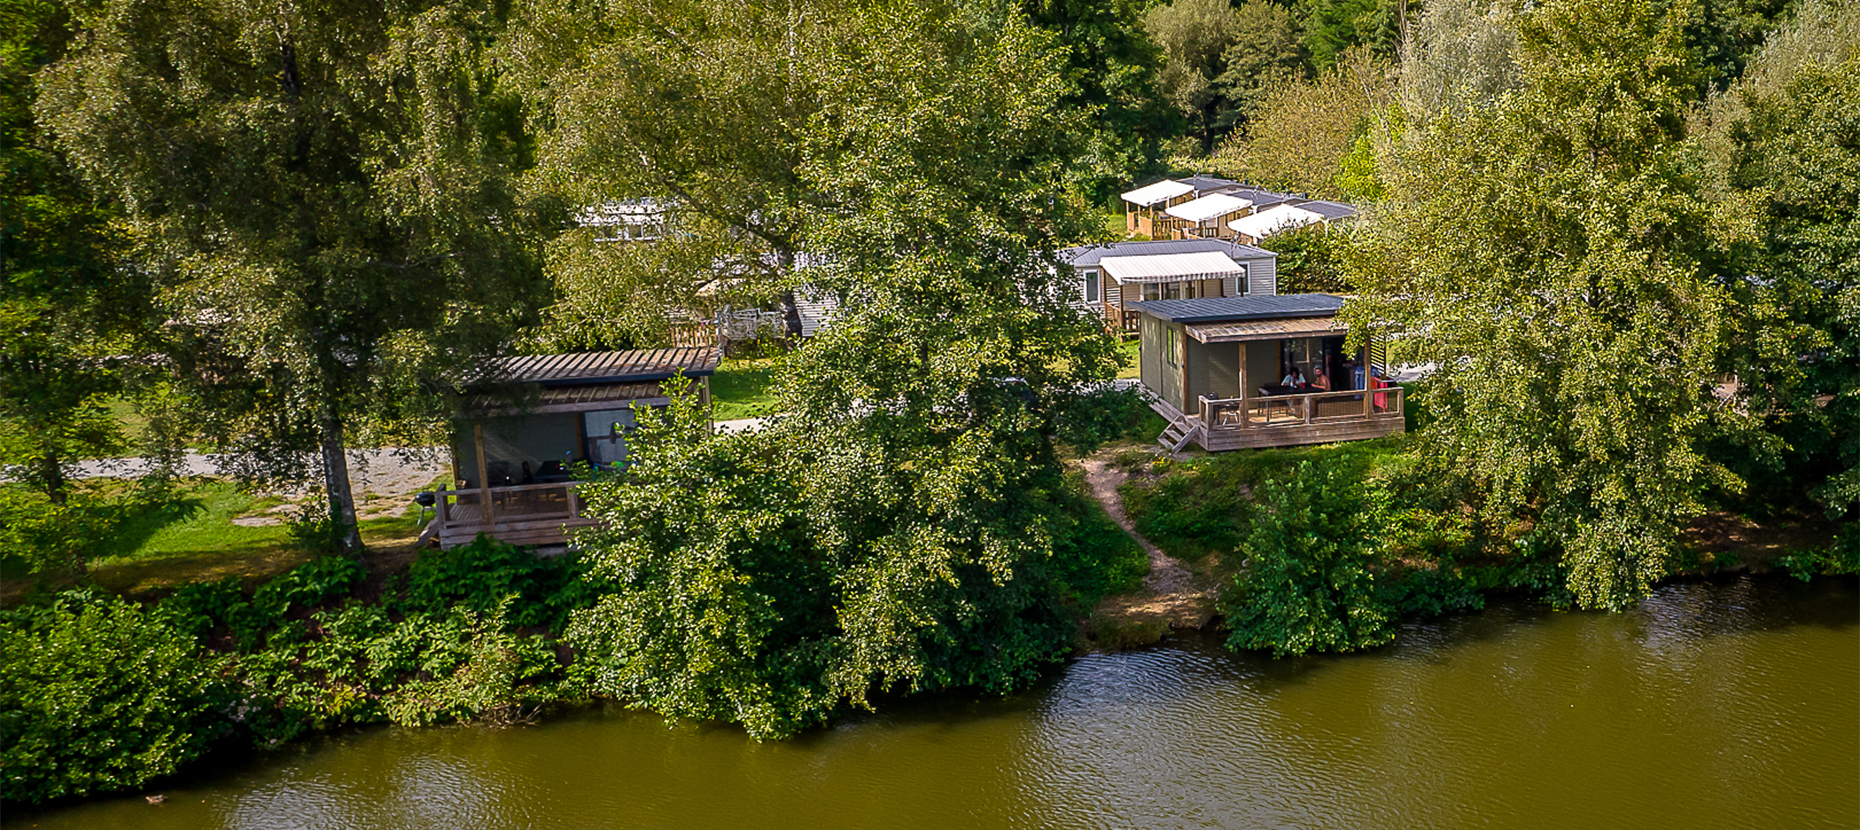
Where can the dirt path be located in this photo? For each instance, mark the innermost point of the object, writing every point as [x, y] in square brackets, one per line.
[1172, 597]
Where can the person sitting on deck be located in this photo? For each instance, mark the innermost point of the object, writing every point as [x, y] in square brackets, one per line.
[1292, 377]
[1319, 380]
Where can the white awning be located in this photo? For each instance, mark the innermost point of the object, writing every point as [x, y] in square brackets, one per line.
[1203, 265]
[1208, 207]
[1161, 191]
[1272, 220]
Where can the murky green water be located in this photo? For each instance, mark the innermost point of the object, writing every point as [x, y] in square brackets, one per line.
[1734, 705]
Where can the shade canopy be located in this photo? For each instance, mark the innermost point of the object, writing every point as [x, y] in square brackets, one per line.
[1268, 222]
[1161, 191]
[1266, 329]
[1209, 207]
[1202, 265]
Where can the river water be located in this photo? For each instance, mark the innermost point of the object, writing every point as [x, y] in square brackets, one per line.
[1731, 704]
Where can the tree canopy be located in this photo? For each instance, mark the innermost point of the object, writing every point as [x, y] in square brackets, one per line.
[322, 197]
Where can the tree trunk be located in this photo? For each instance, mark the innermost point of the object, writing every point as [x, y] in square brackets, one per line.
[52, 477]
[790, 308]
[347, 536]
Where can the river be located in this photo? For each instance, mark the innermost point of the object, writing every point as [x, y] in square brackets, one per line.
[1733, 704]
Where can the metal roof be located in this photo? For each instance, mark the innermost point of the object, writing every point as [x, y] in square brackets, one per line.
[1329, 210]
[586, 368]
[557, 399]
[1088, 256]
[1208, 207]
[1200, 265]
[1268, 222]
[1236, 309]
[1204, 184]
[1159, 192]
[1264, 329]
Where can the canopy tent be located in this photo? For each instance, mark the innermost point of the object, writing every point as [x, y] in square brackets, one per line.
[1161, 191]
[1268, 222]
[1200, 265]
[1209, 207]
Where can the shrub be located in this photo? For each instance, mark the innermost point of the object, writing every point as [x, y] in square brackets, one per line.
[1307, 584]
[480, 575]
[98, 696]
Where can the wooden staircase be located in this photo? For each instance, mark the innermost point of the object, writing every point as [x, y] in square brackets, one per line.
[1180, 433]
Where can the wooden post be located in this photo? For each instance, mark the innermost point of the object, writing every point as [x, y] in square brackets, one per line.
[1369, 401]
[440, 507]
[484, 475]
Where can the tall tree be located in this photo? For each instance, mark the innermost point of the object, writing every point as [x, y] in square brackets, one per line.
[1555, 260]
[1195, 36]
[1302, 131]
[1789, 134]
[321, 193]
[1112, 66]
[1460, 54]
[893, 530]
[69, 314]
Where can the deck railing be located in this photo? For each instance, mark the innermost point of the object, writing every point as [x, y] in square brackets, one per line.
[521, 514]
[1301, 410]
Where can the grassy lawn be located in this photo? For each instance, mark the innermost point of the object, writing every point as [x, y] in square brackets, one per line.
[740, 389]
[192, 538]
[1128, 349]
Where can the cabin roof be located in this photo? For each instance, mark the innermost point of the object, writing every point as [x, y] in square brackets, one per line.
[1279, 218]
[1197, 265]
[1089, 256]
[1329, 210]
[588, 368]
[1208, 207]
[1207, 183]
[1162, 191]
[1237, 309]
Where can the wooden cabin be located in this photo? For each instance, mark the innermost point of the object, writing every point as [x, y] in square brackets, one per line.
[1215, 366]
[520, 439]
[1115, 277]
[1206, 217]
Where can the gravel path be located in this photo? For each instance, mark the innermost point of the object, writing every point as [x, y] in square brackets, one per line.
[1175, 592]
[385, 473]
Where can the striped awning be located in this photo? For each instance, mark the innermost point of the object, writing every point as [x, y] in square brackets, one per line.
[1266, 329]
[1201, 265]
[1161, 191]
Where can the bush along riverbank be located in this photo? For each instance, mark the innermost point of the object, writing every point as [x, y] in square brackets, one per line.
[1327, 549]
[101, 694]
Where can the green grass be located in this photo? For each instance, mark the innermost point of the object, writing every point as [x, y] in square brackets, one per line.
[1131, 369]
[740, 389]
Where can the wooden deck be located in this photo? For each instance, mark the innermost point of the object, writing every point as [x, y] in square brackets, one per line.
[525, 514]
[1285, 420]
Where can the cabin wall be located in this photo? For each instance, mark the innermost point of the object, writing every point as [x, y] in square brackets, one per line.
[1213, 371]
[1149, 347]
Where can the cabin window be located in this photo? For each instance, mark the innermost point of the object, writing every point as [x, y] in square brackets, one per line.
[1172, 346]
[1172, 291]
[607, 430]
[1091, 286]
[1152, 291]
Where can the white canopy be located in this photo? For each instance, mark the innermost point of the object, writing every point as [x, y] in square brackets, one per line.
[1202, 265]
[1270, 221]
[1162, 191]
[1208, 207]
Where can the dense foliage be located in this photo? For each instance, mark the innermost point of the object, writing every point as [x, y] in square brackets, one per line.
[322, 197]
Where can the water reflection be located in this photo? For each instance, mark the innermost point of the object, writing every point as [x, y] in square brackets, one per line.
[1731, 704]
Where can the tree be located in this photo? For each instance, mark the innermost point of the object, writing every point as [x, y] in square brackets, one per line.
[1788, 134]
[1301, 133]
[1461, 54]
[1556, 260]
[1195, 36]
[893, 530]
[1265, 54]
[1333, 27]
[1306, 584]
[1112, 66]
[70, 314]
[322, 195]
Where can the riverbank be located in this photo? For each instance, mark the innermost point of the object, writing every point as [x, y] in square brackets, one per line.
[1424, 554]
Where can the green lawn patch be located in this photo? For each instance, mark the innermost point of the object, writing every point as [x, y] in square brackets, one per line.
[741, 389]
[1131, 369]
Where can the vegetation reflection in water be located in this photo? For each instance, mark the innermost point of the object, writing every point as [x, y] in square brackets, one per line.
[1729, 704]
